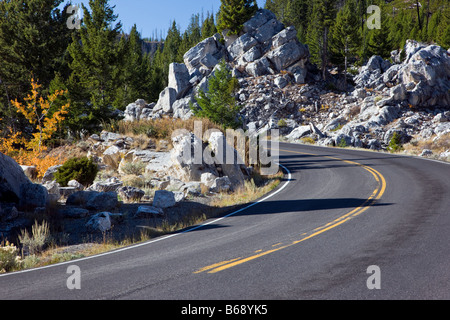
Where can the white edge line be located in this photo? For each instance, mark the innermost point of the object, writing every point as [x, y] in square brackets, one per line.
[159, 239]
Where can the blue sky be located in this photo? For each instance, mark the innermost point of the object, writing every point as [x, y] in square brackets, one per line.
[151, 15]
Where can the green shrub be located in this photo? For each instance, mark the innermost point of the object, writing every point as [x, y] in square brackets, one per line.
[282, 123]
[83, 170]
[134, 168]
[219, 103]
[343, 144]
[396, 143]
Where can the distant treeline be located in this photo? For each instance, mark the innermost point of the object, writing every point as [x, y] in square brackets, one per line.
[337, 30]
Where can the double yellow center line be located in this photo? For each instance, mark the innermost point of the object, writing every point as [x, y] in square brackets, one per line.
[376, 195]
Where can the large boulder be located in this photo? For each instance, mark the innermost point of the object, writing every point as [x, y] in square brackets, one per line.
[103, 201]
[194, 57]
[265, 33]
[260, 18]
[33, 196]
[93, 200]
[135, 110]
[101, 222]
[164, 199]
[259, 67]
[12, 178]
[227, 158]
[287, 55]
[284, 36]
[112, 157]
[109, 185]
[187, 158]
[421, 80]
[241, 45]
[166, 99]
[179, 79]
[426, 75]
[267, 47]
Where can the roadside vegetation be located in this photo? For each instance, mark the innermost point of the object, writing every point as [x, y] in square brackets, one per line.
[45, 244]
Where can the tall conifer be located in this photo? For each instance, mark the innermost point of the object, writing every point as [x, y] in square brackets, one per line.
[234, 13]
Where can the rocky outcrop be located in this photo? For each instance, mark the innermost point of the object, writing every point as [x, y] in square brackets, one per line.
[421, 80]
[265, 47]
[12, 177]
[187, 158]
[16, 188]
[195, 160]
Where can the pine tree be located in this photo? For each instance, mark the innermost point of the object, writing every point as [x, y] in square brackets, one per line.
[443, 28]
[296, 14]
[135, 70]
[96, 60]
[345, 35]
[209, 27]
[172, 52]
[219, 103]
[157, 83]
[378, 41]
[234, 13]
[322, 15]
[191, 36]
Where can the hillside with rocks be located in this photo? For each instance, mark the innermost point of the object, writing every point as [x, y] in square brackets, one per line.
[281, 89]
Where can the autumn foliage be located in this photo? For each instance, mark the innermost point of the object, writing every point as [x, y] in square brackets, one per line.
[37, 111]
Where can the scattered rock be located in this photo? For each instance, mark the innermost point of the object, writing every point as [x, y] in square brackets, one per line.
[49, 174]
[222, 184]
[75, 184]
[32, 196]
[110, 185]
[129, 194]
[12, 177]
[426, 153]
[93, 200]
[73, 212]
[148, 212]
[164, 199]
[101, 222]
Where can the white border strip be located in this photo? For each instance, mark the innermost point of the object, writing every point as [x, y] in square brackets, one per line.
[158, 239]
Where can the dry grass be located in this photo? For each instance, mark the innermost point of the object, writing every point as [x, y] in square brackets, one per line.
[435, 144]
[163, 129]
[251, 191]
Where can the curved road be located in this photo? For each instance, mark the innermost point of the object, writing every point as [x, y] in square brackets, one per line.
[338, 213]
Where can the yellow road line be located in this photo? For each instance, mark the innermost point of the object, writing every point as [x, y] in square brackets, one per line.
[376, 195]
[215, 265]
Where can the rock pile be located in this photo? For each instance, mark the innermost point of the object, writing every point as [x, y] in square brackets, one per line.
[266, 47]
[280, 89]
[421, 80]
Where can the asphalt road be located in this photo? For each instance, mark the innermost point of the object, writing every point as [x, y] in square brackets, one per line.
[337, 213]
